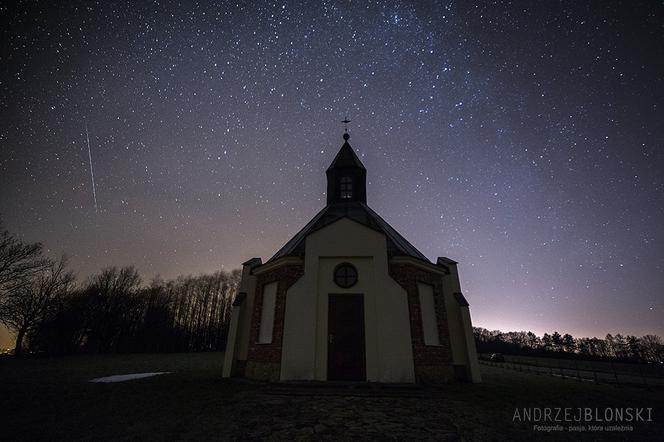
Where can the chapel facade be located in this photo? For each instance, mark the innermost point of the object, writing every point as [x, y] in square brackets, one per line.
[350, 299]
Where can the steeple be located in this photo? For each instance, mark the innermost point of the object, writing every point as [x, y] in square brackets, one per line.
[346, 177]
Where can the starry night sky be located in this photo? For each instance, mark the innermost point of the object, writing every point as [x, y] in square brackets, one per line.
[522, 139]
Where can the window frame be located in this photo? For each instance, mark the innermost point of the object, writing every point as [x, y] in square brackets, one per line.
[346, 188]
[345, 265]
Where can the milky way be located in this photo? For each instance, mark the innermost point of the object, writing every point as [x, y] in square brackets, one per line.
[522, 139]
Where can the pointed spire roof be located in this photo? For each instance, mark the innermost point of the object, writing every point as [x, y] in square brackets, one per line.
[346, 157]
[348, 202]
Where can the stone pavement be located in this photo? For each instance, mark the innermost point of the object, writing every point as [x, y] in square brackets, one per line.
[341, 412]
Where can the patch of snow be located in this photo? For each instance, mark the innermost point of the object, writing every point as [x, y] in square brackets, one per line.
[127, 377]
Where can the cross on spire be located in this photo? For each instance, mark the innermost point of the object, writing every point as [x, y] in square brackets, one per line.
[345, 122]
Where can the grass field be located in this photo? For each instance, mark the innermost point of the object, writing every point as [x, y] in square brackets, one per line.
[621, 368]
[50, 399]
[600, 372]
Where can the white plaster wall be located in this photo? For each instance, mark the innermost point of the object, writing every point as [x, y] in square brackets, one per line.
[387, 326]
[454, 322]
[474, 365]
[461, 330]
[248, 285]
[298, 350]
[231, 343]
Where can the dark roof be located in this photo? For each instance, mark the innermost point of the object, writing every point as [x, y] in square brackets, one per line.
[253, 262]
[359, 212]
[346, 158]
[461, 299]
[239, 299]
[446, 260]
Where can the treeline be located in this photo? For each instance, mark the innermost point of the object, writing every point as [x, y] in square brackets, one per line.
[648, 348]
[111, 311]
[114, 313]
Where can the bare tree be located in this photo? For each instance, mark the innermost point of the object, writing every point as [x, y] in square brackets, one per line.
[568, 343]
[113, 312]
[27, 304]
[652, 348]
[111, 297]
[17, 262]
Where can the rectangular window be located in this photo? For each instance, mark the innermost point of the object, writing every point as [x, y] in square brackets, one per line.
[428, 311]
[346, 188]
[267, 313]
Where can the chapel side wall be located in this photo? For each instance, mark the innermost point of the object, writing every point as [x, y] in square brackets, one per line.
[433, 363]
[230, 367]
[246, 313]
[455, 323]
[264, 360]
[466, 337]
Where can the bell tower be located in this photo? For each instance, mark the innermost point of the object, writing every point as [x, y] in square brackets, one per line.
[346, 177]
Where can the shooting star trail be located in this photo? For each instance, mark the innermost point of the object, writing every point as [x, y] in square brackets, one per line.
[92, 172]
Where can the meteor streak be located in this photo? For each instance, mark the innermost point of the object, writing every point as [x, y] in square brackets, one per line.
[92, 173]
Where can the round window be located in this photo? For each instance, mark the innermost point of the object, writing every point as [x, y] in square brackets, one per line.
[345, 275]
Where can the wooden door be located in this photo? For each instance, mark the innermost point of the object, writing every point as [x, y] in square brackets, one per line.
[345, 339]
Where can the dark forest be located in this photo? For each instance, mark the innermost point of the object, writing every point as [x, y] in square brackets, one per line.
[111, 311]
